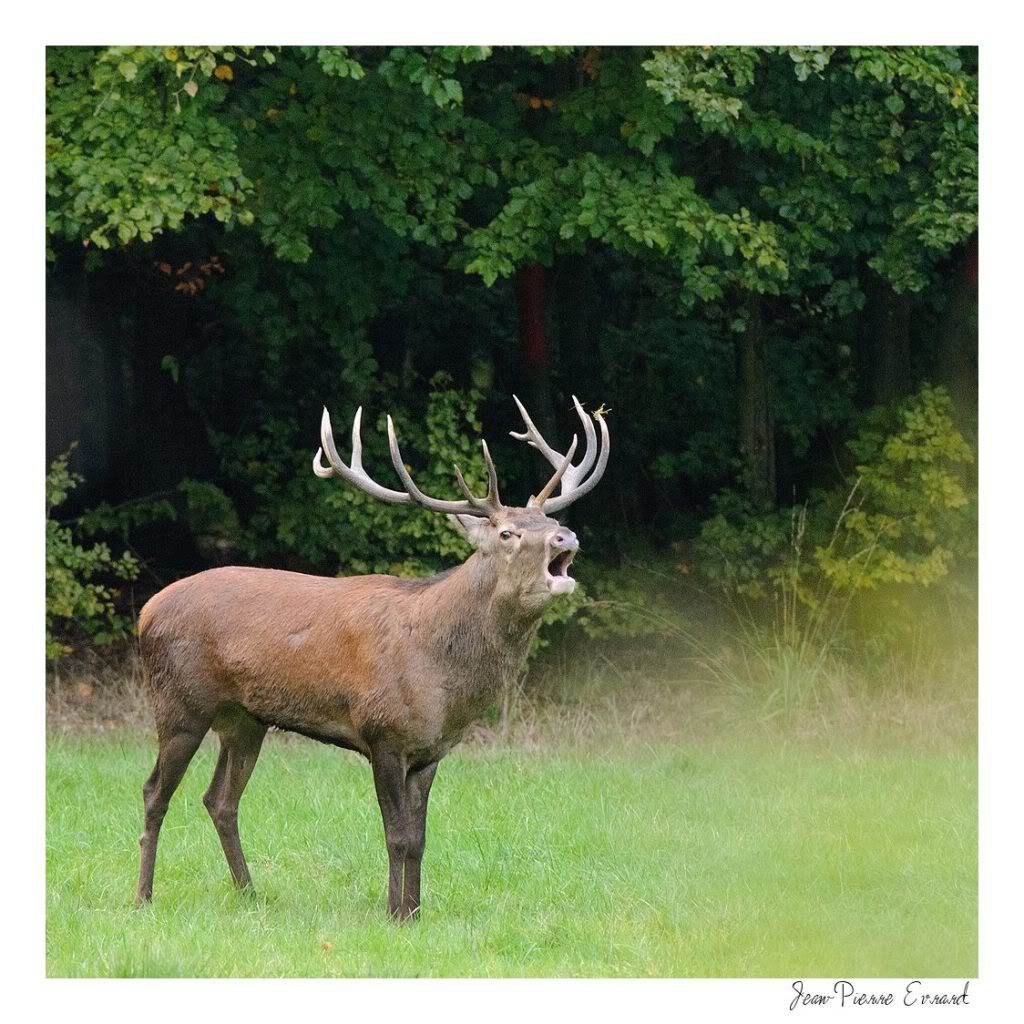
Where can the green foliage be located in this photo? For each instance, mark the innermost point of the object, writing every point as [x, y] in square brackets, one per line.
[625, 605]
[79, 593]
[868, 150]
[876, 149]
[204, 507]
[211, 516]
[706, 80]
[905, 517]
[134, 144]
[105, 518]
[335, 61]
[911, 511]
[347, 187]
[433, 71]
[741, 548]
[633, 209]
[317, 522]
[557, 615]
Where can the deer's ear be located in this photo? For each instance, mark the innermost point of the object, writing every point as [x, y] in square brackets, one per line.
[471, 527]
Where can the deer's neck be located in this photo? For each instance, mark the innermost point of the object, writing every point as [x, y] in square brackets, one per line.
[477, 626]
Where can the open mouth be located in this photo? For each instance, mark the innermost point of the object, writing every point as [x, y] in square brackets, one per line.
[559, 565]
[557, 573]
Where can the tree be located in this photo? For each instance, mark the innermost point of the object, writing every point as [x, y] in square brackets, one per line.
[737, 208]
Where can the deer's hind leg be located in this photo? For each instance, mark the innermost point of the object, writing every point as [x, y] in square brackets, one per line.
[241, 737]
[178, 742]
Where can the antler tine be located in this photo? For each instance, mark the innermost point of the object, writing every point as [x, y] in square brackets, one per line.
[574, 480]
[588, 429]
[545, 493]
[533, 436]
[463, 486]
[481, 507]
[354, 473]
[322, 471]
[491, 503]
[573, 474]
[492, 477]
[571, 494]
[357, 441]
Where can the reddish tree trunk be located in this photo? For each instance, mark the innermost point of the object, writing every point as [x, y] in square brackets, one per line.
[530, 286]
[534, 356]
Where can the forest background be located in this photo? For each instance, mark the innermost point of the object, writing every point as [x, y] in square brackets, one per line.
[762, 260]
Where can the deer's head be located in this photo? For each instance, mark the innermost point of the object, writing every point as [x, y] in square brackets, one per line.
[529, 551]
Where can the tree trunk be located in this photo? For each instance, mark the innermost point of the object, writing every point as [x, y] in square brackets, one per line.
[534, 358]
[577, 300]
[956, 357]
[888, 342]
[532, 336]
[756, 421]
[78, 398]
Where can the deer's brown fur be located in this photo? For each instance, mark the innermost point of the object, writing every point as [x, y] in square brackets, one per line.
[394, 669]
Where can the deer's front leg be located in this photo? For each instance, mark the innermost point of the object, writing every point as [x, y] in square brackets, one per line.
[417, 791]
[389, 781]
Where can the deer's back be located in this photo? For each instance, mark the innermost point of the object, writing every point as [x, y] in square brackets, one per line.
[315, 654]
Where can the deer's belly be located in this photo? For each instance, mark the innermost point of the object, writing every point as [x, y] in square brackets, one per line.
[322, 715]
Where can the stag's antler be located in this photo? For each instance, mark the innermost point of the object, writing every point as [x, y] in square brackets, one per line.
[354, 473]
[358, 477]
[575, 482]
[472, 506]
[573, 479]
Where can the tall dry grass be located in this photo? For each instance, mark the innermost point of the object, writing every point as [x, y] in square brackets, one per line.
[739, 676]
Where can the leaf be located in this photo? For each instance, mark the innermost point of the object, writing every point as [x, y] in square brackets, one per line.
[223, 72]
[453, 89]
[171, 365]
[128, 70]
[191, 88]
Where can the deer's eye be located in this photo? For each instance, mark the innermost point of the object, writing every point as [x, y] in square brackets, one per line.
[505, 534]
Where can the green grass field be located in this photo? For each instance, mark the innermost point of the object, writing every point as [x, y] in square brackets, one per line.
[727, 858]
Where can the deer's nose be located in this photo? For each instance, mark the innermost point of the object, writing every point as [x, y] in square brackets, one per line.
[566, 540]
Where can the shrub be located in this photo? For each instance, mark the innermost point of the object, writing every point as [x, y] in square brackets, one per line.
[911, 510]
[298, 518]
[874, 546]
[905, 517]
[79, 590]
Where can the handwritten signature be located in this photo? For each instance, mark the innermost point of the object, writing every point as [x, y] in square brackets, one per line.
[846, 994]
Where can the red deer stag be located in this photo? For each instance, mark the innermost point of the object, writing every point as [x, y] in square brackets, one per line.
[395, 669]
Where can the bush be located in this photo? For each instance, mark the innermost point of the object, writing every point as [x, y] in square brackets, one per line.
[79, 592]
[910, 513]
[857, 567]
[299, 519]
[905, 517]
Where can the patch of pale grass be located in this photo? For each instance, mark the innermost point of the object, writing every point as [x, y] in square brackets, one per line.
[599, 702]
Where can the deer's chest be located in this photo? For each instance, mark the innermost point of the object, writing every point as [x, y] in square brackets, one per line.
[474, 681]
